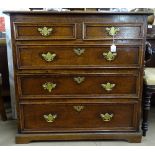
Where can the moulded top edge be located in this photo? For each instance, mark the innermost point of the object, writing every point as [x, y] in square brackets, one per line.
[76, 12]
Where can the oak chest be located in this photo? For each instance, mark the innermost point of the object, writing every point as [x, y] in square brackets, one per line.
[69, 84]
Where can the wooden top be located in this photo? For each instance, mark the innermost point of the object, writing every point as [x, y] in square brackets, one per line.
[76, 12]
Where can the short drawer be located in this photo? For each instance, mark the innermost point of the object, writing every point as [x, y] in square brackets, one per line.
[77, 117]
[79, 56]
[44, 31]
[99, 31]
[78, 85]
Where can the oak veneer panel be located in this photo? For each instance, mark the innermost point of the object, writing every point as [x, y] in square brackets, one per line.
[31, 85]
[30, 56]
[29, 31]
[98, 31]
[69, 120]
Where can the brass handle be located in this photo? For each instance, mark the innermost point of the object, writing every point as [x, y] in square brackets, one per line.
[78, 108]
[109, 56]
[79, 51]
[79, 80]
[48, 56]
[45, 31]
[50, 118]
[108, 86]
[106, 117]
[49, 86]
[112, 31]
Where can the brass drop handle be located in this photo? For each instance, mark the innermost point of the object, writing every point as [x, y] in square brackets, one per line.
[45, 31]
[112, 31]
[79, 80]
[49, 86]
[50, 118]
[106, 117]
[109, 56]
[108, 86]
[48, 56]
[78, 108]
[79, 51]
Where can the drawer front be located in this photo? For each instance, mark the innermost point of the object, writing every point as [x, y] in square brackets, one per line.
[99, 31]
[46, 57]
[71, 117]
[44, 31]
[97, 85]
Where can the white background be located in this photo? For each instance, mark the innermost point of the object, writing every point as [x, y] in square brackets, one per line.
[25, 4]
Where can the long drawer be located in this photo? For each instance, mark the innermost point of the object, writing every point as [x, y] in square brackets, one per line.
[76, 56]
[79, 117]
[78, 85]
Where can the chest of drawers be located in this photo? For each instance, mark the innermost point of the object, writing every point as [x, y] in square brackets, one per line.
[68, 84]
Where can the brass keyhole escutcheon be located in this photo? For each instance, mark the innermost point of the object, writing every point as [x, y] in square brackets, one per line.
[78, 108]
[79, 80]
[79, 51]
